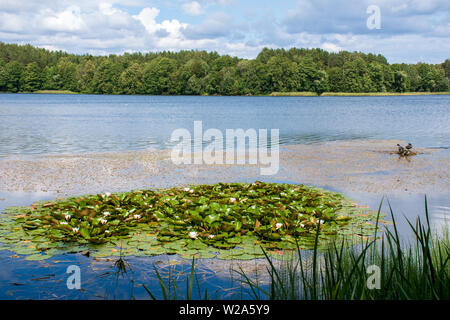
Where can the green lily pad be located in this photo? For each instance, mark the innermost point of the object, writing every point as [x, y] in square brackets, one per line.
[231, 219]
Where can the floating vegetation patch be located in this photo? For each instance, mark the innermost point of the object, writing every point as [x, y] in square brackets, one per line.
[228, 221]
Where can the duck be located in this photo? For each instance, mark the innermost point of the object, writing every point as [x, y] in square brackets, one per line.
[401, 149]
[409, 146]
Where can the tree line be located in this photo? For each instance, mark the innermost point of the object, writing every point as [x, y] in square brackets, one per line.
[24, 68]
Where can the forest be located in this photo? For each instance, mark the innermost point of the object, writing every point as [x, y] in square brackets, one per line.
[24, 68]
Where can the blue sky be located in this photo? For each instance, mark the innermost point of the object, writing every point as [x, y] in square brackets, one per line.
[410, 30]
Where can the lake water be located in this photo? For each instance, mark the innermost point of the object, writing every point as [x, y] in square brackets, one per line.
[32, 124]
[55, 124]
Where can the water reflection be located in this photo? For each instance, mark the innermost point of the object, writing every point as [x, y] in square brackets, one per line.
[119, 279]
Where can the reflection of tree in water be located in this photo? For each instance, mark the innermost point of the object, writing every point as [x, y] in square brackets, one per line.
[122, 274]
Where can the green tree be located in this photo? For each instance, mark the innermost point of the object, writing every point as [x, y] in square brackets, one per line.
[131, 80]
[283, 74]
[157, 75]
[3, 76]
[52, 79]
[336, 79]
[86, 74]
[400, 81]
[14, 72]
[106, 78]
[32, 77]
[68, 75]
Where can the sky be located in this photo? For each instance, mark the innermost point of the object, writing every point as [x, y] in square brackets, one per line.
[402, 30]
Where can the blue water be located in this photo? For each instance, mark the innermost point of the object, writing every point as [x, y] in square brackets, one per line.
[55, 124]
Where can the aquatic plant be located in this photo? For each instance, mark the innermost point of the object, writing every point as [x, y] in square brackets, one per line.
[415, 270]
[232, 221]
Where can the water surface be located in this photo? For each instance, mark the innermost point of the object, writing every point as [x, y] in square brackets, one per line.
[46, 123]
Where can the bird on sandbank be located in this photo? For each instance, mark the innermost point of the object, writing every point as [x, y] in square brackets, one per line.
[404, 151]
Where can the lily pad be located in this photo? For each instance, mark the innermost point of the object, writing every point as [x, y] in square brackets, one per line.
[232, 220]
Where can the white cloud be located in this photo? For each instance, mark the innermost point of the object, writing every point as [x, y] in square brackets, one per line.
[68, 20]
[192, 8]
[411, 29]
[331, 47]
[147, 17]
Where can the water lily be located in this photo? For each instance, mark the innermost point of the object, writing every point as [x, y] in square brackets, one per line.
[106, 213]
[232, 200]
[321, 222]
[211, 236]
[107, 194]
[137, 216]
[63, 222]
[302, 225]
[193, 235]
[103, 221]
[107, 231]
[75, 230]
[278, 225]
[67, 216]
[186, 189]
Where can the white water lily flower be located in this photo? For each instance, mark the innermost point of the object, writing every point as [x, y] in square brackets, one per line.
[186, 189]
[302, 225]
[191, 190]
[137, 216]
[193, 235]
[75, 230]
[321, 221]
[107, 231]
[278, 225]
[232, 199]
[67, 216]
[103, 221]
[211, 236]
[106, 213]
[63, 222]
[107, 194]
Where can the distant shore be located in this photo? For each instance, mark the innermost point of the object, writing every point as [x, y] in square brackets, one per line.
[278, 94]
[350, 94]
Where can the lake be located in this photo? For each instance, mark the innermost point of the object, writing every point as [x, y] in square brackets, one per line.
[55, 124]
[37, 125]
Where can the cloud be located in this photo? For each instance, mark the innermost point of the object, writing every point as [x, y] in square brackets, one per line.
[215, 26]
[65, 21]
[397, 16]
[411, 30]
[192, 8]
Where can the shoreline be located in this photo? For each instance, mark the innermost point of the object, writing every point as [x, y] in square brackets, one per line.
[354, 94]
[273, 94]
[352, 166]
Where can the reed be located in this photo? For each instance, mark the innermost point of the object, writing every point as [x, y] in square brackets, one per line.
[413, 270]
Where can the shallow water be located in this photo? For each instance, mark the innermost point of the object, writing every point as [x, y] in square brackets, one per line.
[54, 145]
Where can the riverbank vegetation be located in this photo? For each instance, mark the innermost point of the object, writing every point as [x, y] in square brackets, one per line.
[383, 268]
[28, 69]
[353, 94]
